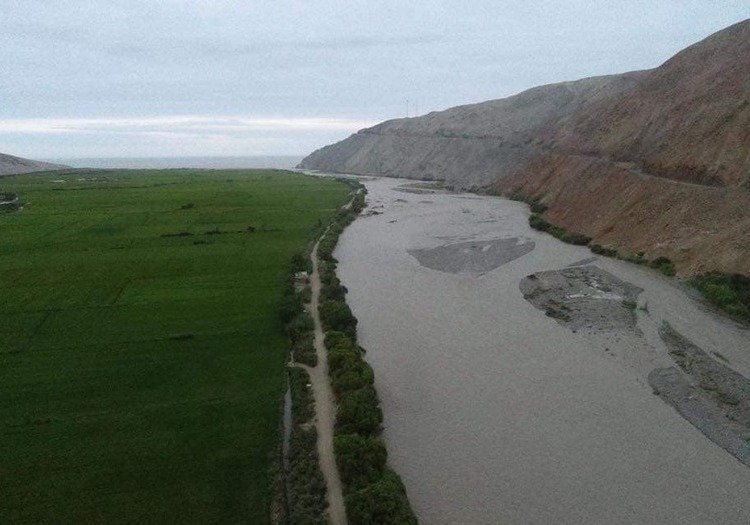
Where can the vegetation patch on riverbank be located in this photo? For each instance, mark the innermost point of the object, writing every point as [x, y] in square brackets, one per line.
[538, 222]
[663, 264]
[140, 375]
[373, 492]
[730, 293]
[298, 323]
[305, 483]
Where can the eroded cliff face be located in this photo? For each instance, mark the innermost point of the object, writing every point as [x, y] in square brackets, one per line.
[656, 161]
[700, 228]
[662, 168]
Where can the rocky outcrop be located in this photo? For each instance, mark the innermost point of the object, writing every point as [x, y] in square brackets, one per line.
[655, 161]
[10, 165]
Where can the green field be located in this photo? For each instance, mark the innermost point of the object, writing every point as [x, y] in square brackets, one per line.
[141, 354]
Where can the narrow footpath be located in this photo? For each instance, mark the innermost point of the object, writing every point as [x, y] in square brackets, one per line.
[325, 405]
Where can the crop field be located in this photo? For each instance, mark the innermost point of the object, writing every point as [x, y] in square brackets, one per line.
[141, 354]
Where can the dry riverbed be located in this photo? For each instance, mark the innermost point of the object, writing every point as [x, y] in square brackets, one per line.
[517, 373]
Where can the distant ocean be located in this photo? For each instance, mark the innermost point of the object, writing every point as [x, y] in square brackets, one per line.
[279, 162]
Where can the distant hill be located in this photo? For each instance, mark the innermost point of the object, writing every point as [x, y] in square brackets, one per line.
[655, 161]
[10, 165]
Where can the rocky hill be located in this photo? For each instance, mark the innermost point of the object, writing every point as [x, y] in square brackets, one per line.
[655, 161]
[10, 165]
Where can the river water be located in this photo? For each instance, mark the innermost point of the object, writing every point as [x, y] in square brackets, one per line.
[494, 411]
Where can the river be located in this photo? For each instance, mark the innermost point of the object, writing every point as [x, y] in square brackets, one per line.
[496, 412]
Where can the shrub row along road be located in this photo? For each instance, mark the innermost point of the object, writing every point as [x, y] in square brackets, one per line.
[325, 406]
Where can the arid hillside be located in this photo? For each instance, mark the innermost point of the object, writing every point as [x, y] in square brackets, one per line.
[10, 165]
[688, 119]
[467, 146]
[663, 168]
[654, 161]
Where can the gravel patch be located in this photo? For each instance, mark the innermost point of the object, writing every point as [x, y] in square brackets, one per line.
[584, 298]
[711, 396]
[473, 257]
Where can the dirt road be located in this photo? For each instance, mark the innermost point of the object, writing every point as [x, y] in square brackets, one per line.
[325, 406]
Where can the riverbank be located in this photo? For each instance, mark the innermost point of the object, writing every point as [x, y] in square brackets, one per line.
[374, 493]
[346, 449]
[542, 422]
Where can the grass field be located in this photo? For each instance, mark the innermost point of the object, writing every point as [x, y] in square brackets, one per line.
[141, 354]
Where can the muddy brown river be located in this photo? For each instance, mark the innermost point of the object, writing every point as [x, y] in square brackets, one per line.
[501, 408]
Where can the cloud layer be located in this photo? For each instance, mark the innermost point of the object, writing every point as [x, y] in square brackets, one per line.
[184, 135]
[90, 71]
[184, 124]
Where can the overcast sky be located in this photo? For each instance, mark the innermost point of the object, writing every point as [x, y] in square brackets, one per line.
[106, 78]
